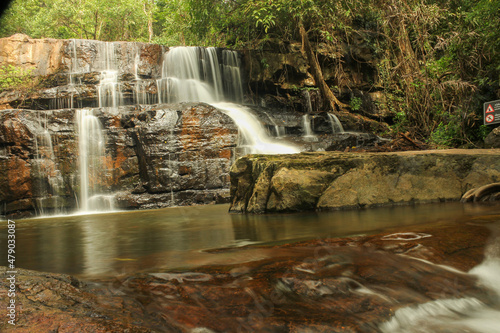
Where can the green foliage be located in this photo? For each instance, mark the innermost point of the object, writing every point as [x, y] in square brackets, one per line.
[12, 77]
[447, 134]
[436, 61]
[355, 103]
[89, 19]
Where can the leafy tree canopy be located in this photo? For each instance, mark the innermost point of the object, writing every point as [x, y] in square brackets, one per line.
[437, 60]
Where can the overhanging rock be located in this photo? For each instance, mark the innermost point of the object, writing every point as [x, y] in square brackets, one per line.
[332, 180]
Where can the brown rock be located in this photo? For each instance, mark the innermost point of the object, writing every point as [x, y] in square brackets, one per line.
[331, 180]
[493, 139]
[296, 190]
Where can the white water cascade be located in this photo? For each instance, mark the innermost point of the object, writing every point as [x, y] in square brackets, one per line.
[188, 74]
[461, 314]
[306, 125]
[254, 137]
[336, 124]
[193, 74]
[49, 178]
[92, 166]
[109, 89]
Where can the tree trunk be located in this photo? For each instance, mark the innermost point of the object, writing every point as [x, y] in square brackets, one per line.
[329, 100]
[149, 15]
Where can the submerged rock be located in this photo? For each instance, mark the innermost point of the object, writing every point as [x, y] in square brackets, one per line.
[348, 284]
[47, 302]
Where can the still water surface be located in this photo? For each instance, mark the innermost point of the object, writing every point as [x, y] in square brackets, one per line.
[99, 245]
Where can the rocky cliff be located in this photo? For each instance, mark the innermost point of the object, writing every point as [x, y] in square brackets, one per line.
[279, 75]
[90, 123]
[155, 156]
[79, 73]
[331, 180]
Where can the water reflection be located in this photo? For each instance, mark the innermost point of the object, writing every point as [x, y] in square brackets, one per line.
[107, 244]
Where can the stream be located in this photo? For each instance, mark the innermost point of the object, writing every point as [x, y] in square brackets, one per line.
[100, 245]
[342, 271]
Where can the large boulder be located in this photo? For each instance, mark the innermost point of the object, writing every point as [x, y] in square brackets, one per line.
[493, 139]
[332, 180]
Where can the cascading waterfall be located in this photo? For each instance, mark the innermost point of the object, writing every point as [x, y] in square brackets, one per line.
[336, 124]
[306, 119]
[307, 97]
[109, 89]
[92, 166]
[193, 74]
[183, 79]
[188, 74]
[233, 86]
[93, 195]
[49, 177]
[306, 125]
[254, 137]
[279, 131]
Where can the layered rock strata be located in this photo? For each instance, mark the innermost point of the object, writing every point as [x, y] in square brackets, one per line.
[331, 180]
[155, 156]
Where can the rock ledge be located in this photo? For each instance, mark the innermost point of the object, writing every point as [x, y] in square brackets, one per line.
[332, 180]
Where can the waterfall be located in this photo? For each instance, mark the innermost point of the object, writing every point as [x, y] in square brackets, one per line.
[109, 89]
[233, 86]
[336, 124]
[91, 144]
[182, 78]
[254, 137]
[306, 126]
[195, 74]
[48, 177]
[307, 96]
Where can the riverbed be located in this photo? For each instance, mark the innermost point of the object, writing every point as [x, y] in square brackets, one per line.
[100, 245]
[421, 268]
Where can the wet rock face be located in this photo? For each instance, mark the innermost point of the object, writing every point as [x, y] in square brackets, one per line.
[27, 159]
[183, 155]
[53, 56]
[68, 71]
[316, 181]
[330, 285]
[279, 74]
[155, 156]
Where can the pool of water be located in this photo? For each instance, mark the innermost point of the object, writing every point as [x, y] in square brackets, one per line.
[100, 245]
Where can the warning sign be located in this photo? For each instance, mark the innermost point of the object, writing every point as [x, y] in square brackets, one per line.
[492, 112]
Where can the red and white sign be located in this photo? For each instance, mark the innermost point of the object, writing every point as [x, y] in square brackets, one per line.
[491, 112]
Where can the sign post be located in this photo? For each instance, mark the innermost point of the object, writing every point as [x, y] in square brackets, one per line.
[491, 112]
